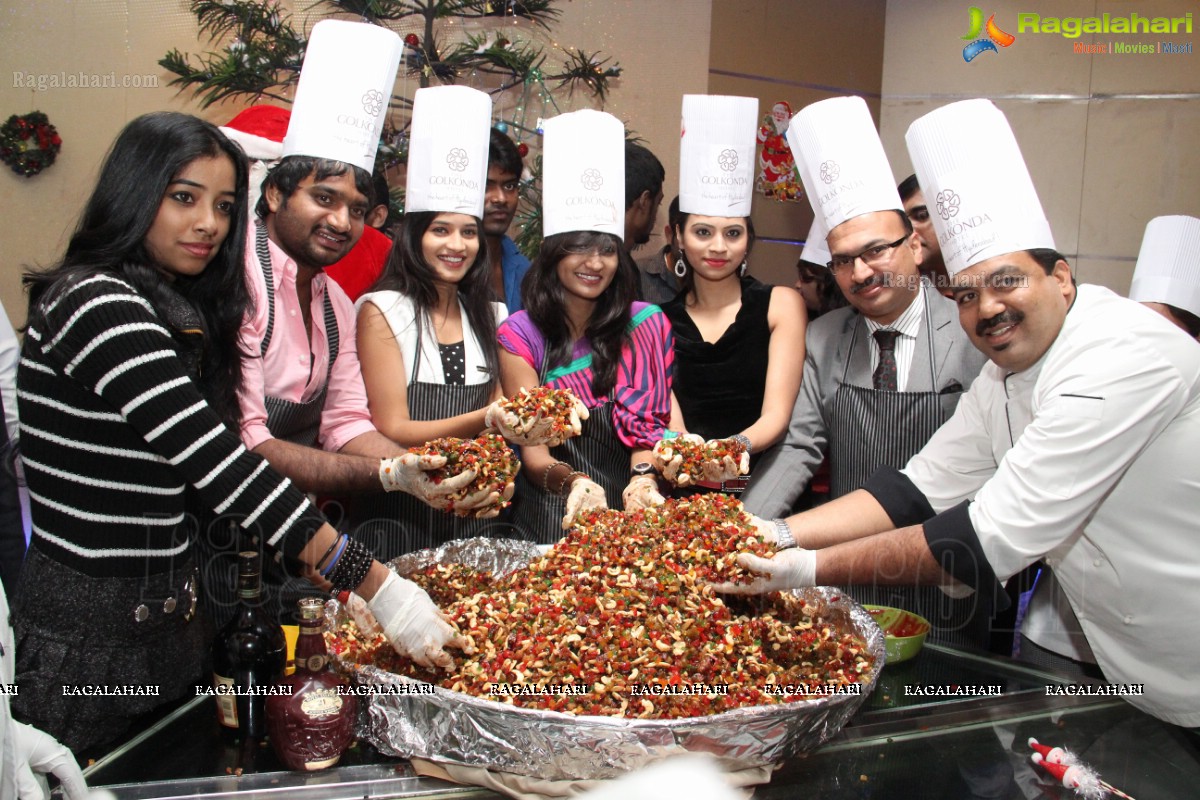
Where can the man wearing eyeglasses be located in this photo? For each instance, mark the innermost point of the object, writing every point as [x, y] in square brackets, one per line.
[1075, 445]
[881, 375]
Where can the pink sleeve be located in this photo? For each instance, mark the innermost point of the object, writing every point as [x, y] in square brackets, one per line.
[642, 407]
[517, 335]
[346, 414]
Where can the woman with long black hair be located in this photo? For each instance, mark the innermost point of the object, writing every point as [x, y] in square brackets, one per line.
[582, 330]
[427, 328]
[739, 343]
[128, 387]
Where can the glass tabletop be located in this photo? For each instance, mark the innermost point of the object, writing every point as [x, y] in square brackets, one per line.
[947, 723]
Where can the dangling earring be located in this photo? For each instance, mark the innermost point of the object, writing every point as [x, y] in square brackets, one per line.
[680, 268]
[742, 269]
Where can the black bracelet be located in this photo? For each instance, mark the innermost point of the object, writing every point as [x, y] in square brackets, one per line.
[352, 567]
[336, 541]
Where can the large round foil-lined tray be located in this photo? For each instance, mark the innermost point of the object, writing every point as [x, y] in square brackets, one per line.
[463, 729]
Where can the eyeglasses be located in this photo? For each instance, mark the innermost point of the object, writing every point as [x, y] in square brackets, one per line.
[875, 256]
[606, 249]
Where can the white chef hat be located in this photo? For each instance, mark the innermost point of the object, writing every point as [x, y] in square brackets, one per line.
[841, 160]
[448, 150]
[816, 249]
[980, 196]
[1168, 265]
[345, 85]
[716, 155]
[583, 173]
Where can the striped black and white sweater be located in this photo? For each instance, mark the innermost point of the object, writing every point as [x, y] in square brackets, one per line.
[112, 431]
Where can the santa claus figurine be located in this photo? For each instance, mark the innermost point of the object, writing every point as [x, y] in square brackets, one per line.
[776, 167]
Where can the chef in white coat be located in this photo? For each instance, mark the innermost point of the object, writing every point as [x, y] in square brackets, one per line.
[1075, 445]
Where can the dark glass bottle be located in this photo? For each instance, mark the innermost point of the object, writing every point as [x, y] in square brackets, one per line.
[248, 657]
[311, 725]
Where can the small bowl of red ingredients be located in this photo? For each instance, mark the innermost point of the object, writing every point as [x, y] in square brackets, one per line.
[904, 632]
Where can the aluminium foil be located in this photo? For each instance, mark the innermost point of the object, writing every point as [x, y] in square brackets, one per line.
[463, 729]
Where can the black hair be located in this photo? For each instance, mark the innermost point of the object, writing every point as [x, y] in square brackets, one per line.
[407, 272]
[607, 329]
[503, 154]
[674, 217]
[908, 187]
[291, 171]
[905, 221]
[146, 157]
[1046, 257]
[829, 294]
[643, 173]
[380, 194]
[1191, 322]
[687, 283]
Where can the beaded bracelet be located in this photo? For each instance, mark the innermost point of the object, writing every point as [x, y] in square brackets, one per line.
[546, 474]
[352, 569]
[344, 540]
[742, 439]
[565, 488]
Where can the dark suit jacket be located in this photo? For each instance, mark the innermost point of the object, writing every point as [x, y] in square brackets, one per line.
[784, 471]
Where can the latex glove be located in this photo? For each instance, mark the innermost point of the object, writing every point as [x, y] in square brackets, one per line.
[765, 529]
[579, 412]
[668, 462]
[36, 753]
[362, 616]
[414, 625]
[407, 473]
[585, 494]
[788, 569]
[642, 492]
[725, 469]
[535, 431]
[485, 503]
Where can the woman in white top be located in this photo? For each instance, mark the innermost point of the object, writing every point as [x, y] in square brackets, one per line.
[430, 319]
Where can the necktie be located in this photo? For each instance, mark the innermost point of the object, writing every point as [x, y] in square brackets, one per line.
[884, 378]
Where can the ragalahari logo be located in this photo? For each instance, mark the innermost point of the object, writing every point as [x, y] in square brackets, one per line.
[995, 36]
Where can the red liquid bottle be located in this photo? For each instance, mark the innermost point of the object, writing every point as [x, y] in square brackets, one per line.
[313, 726]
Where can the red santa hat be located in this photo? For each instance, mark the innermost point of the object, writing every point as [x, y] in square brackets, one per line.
[259, 130]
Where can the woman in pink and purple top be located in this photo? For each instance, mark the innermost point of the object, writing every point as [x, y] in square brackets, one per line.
[582, 330]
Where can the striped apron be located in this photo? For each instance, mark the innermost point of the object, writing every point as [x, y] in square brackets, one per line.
[598, 451]
[290, 421]
[870, 429]
[395, 523]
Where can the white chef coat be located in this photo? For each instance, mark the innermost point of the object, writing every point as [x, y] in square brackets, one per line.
[1088, 459]
[401, 315]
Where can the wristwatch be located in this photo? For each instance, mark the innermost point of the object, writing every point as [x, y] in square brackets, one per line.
[641, 468]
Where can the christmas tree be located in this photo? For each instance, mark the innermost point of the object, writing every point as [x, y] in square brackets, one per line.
[489, 44]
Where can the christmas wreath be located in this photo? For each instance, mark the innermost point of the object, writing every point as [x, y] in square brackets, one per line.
[29, 143]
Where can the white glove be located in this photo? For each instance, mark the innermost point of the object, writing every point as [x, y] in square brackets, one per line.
[765, 529]
[535, 431]
[407, 473]
[788, 569]
[642, 492]
[414, 625]
[668, 462]
[585, 494]
[362, 616]
[36, 753]
[726, 469]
